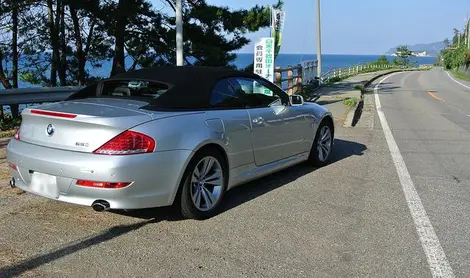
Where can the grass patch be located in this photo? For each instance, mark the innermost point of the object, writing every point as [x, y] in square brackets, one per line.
[461, 75]
[351, 102]
[358, 87]
[8, 122]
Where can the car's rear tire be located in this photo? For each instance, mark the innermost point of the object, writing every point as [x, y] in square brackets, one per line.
[204, 184]
[322, 146]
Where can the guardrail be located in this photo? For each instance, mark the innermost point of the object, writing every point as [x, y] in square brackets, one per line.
[35, 95]
[338, 74]
[293, 78]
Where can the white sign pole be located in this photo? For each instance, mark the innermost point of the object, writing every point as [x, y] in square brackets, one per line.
[179, 33]
[264, 58]
[264, 63]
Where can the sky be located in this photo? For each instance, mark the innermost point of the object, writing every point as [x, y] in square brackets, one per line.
[359, 26]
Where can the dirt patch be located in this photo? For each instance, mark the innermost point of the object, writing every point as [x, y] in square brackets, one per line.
[7, 133]
[56, 212]
[4, 174]
[6, 190]
[3, 154]
[9, 256]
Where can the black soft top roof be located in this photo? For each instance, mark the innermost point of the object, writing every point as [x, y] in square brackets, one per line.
[190, 87]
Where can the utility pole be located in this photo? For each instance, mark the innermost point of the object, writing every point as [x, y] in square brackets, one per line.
[179, 33]
[468, 33]
[318, 40]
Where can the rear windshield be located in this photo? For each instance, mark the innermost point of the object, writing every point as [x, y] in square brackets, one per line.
[139, 89]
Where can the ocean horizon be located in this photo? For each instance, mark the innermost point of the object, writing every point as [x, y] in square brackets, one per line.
[243, 60]
[329, 61]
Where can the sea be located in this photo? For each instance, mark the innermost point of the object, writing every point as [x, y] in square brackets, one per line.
[329, 62]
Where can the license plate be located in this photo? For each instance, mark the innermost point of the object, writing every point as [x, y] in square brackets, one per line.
[45, 185]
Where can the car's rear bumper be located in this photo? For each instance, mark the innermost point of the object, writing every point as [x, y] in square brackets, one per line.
[155, 177]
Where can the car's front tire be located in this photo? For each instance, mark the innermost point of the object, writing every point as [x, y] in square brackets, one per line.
[204, 184]
[322, 146]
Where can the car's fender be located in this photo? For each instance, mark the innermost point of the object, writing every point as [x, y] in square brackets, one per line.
[187, 132]
[317, 115]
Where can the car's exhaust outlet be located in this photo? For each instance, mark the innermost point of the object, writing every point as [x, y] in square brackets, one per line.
[12, 183]
[100, 206]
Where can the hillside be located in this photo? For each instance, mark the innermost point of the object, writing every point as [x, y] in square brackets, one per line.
[432, 49]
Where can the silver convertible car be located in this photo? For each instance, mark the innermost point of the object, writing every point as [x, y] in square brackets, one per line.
[165, 136]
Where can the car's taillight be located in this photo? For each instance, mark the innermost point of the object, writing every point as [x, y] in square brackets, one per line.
[101, 184]
[128, 142]
[17, 134]
[13, 166]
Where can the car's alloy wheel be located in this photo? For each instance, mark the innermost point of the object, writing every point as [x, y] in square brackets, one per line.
[322, 145]
[204, 185]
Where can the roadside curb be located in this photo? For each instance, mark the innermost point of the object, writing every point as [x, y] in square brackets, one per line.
[354, 113]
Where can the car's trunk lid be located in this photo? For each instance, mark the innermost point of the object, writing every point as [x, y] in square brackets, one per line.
[82, 125]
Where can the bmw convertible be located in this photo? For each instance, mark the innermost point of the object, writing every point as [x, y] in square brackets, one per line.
[180, 136]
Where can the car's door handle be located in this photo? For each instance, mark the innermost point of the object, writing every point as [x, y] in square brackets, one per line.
[258, 120]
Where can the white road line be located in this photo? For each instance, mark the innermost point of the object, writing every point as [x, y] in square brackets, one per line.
[437, 260]
[460, 83]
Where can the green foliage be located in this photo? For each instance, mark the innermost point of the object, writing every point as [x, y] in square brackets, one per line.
[461, 75]
[351, 102]
[454, 58]
[88, 33]
[382, 60]
[266, 14]
[358, 87]
[403, 56]
[455, 55]
[446, 43]
[8, 122]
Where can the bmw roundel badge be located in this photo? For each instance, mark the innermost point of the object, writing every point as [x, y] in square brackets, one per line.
[50, 130]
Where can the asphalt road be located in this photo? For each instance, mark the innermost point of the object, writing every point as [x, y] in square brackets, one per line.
[348, 219]
[429, 115]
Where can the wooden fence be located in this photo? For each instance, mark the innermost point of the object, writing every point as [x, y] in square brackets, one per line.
[292, 78]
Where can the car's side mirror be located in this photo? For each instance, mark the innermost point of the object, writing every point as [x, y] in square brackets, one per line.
[296, 100]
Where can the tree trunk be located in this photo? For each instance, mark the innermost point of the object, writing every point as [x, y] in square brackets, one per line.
[14, 45]
[54, 43]
[119, 33]
[3, 80]
[63, 46]
[79, 45]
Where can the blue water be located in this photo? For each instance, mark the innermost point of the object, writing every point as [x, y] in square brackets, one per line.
[329, 61]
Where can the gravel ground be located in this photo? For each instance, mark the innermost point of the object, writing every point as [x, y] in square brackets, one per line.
[345, 219]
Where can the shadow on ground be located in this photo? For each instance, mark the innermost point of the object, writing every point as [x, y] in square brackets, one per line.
[235, 197]
[249, 191]
[252, 190]
[326, 102]
[35, 262]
